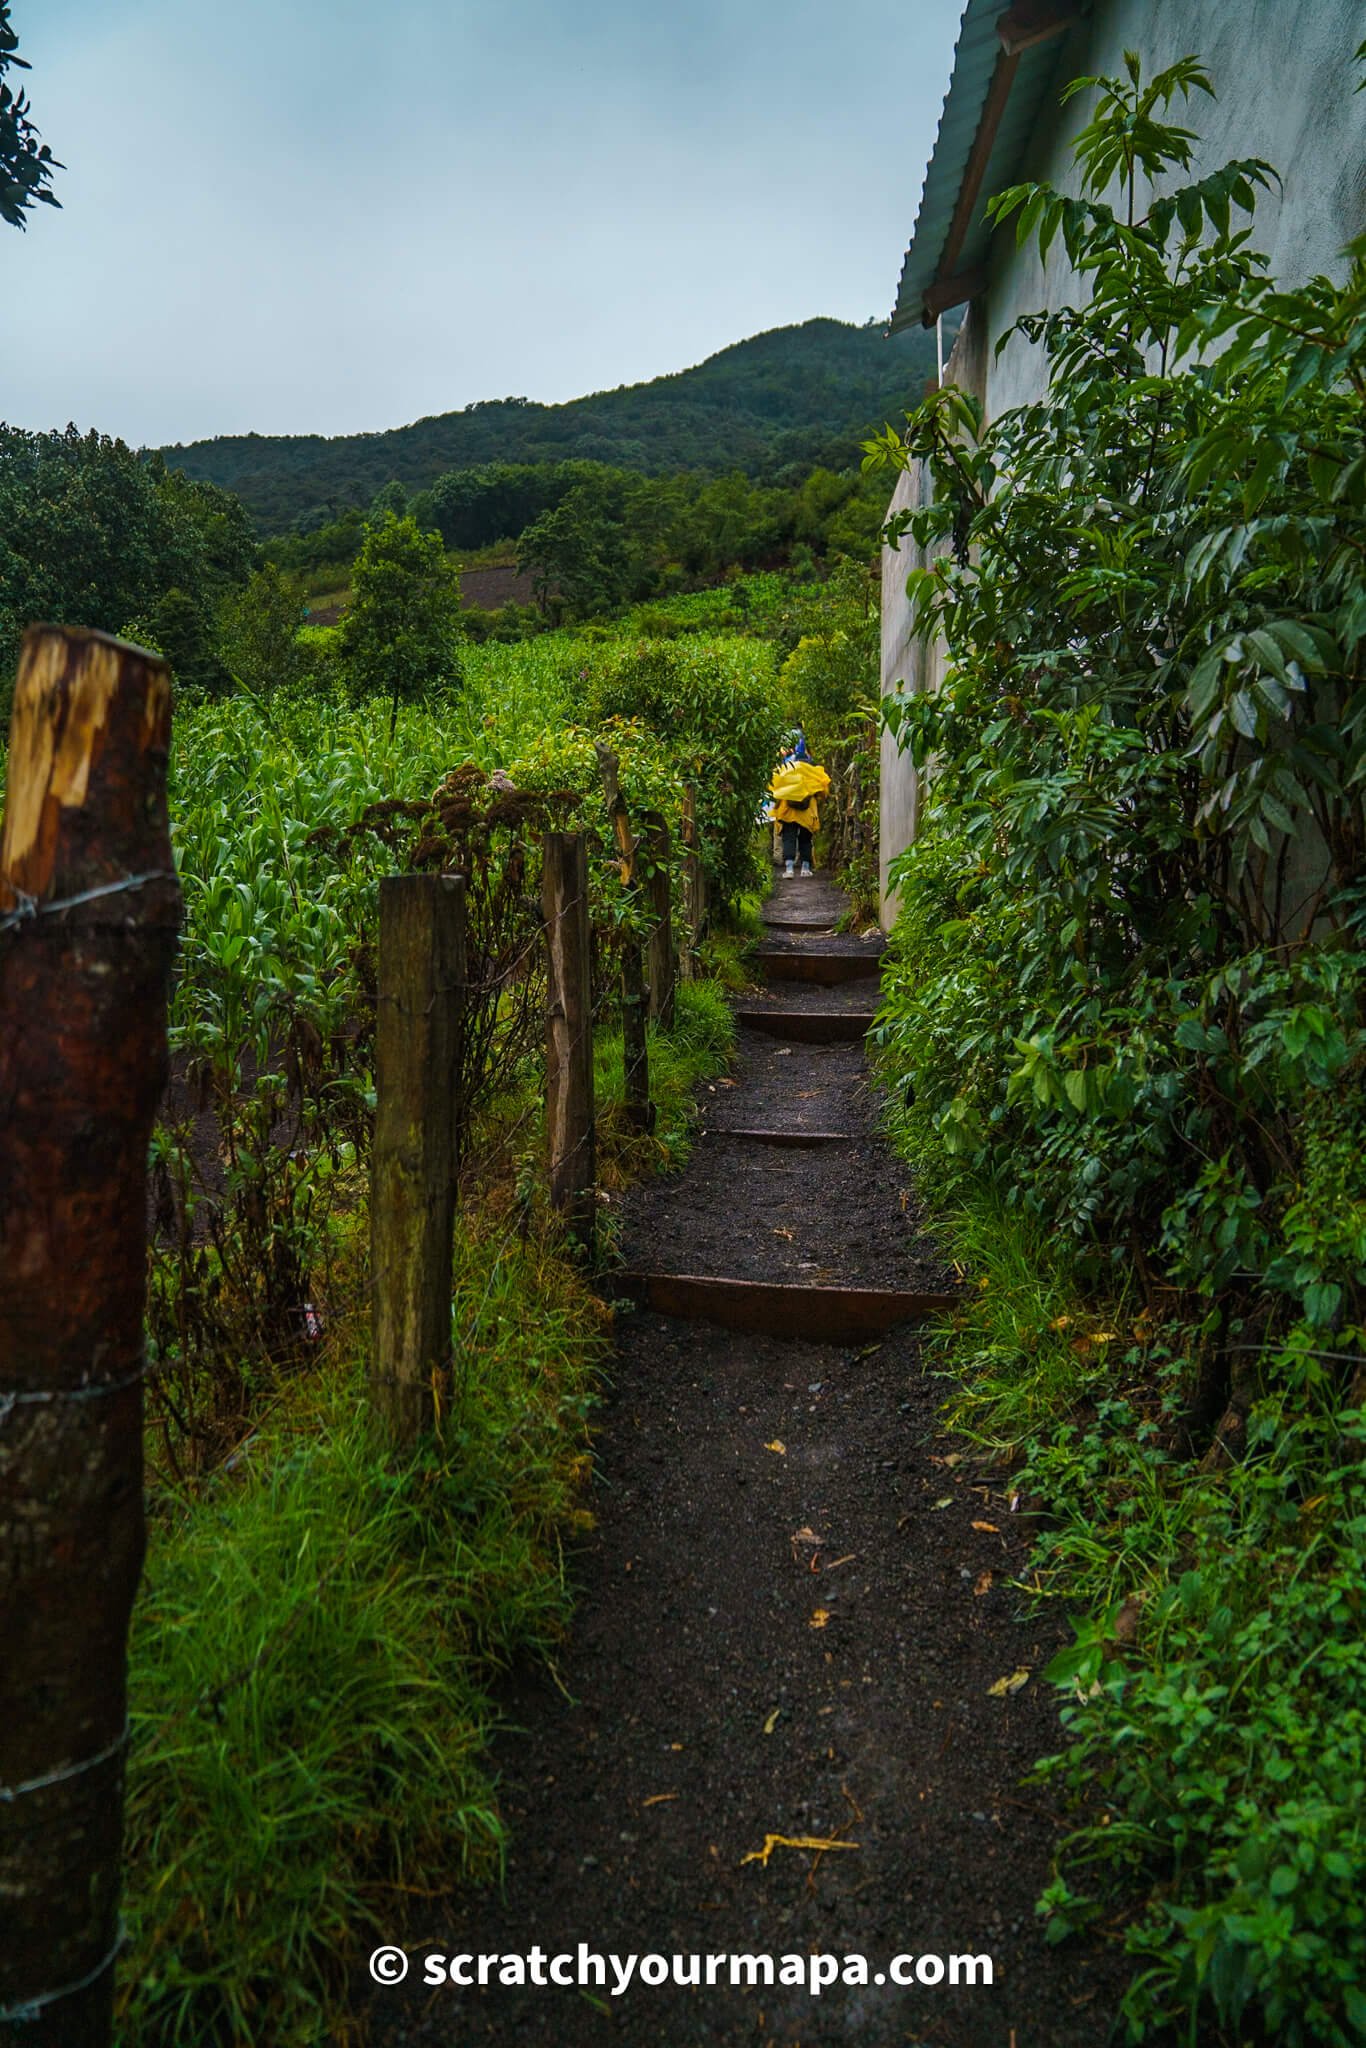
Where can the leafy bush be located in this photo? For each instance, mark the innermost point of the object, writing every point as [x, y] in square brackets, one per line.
[1126, 1017]
[714, 703]
[1153, 597]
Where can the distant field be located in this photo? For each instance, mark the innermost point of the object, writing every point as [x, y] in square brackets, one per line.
[485, 589]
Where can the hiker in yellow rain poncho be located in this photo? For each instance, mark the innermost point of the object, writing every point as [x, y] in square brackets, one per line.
[796, 784]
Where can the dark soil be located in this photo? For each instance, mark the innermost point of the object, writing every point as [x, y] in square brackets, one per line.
[499, 584]
[860, 994]
[843, 1216]
[791, 1614]
[820, 939]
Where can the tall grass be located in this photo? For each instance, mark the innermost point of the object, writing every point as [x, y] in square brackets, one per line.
[320, 1628]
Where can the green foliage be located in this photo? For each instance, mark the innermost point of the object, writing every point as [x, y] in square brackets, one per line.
[311, 1657]
[94, 535]
[26, 164]
[179, 628]
[582, 548]
[715, 705]
[775, 405]
[830, 684]
[1125, 1020]
[1235, 1752]
[260, 633]
[319, 1629]
[1137, 632]
[399, 635]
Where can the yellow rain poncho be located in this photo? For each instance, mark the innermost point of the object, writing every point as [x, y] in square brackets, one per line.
[794, 789]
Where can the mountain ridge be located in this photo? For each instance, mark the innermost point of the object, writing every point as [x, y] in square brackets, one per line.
[787, 397]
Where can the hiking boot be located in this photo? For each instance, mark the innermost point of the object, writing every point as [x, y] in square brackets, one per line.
[790, 868]
[806, 867]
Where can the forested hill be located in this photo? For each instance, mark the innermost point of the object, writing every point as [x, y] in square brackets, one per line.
[794, 396]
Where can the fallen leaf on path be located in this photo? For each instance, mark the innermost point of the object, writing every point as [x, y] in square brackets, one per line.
[808, 1536]
[982, 1584]
[658, 1798]
[772, 1721]
[772, 1842]
[990, 1528]
[1011, 1684]
[947, 1502]
[777, 1445]
[820, 1617]
[784, 1052]
[778, 1231]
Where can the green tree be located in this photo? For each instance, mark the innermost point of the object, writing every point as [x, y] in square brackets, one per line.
[390, 498]
[26, 165]
[401, 631]
[179, 627]
[94, 535]
[260, 632]
[577, 553]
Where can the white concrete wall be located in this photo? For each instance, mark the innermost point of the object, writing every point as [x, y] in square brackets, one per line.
[902, 674]
[1284, 74]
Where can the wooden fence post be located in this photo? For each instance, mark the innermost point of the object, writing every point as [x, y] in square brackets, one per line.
[659, 884]
[569, 1031]
[89, 909]
[694, 884]
[412, 1188]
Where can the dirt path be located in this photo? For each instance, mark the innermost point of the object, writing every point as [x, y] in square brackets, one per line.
[791, 1614]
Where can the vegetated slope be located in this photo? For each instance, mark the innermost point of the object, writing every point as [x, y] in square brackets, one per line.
[794, 395]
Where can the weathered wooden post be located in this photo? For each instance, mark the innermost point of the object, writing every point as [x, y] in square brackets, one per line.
[659, 885]
[694, 884]
[412, 1188]
[89, 909]
[569, 1031]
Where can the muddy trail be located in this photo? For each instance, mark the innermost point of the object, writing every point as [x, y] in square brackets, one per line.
[794, 1616]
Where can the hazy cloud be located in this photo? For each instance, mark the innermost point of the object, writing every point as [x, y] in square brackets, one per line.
[323, 218]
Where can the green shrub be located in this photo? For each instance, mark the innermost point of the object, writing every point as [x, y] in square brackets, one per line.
[715, 705]
[1126, 1021]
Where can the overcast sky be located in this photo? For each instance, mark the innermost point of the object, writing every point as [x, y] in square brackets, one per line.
[323, 216]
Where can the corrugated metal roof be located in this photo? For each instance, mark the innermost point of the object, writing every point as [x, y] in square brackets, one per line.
[974, 65]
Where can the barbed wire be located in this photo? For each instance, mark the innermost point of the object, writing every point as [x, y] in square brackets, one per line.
[12, 1398]
[9, 1793]
[28, 2009]
[28, 907]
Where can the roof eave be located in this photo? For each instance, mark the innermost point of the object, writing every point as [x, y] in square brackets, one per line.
[933, 277]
